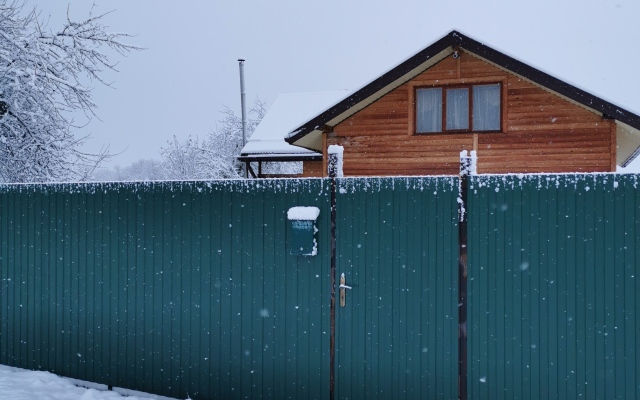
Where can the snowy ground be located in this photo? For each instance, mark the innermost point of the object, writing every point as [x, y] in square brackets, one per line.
[20, 384]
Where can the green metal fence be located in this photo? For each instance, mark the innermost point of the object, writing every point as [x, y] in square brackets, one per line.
[397, 245]
[554, 287]
[179, 289]
[191, 289]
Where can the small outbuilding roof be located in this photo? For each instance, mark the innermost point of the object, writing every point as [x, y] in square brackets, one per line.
[286, 113]
[309, 134]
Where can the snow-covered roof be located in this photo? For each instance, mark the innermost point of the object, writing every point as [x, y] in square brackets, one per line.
[287, 112]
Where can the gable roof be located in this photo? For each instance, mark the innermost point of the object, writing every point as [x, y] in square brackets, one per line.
[308, 134]
[287, 112]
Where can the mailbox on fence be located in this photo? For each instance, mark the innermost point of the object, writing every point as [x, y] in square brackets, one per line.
[303, 233]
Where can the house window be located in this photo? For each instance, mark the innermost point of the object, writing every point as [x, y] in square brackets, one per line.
[469, 108]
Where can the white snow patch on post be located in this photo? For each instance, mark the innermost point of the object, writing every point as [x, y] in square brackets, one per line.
[335, 149]
[303, 213]
[465, 170]
[471, 168]
[462, 209]
[338, 151]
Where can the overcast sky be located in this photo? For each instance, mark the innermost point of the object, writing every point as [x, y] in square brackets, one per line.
[189, 71]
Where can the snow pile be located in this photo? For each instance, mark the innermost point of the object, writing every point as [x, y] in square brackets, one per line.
[303, 213]
[19, 384]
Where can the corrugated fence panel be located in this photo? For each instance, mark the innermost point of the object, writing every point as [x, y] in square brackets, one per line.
[553, 287]
[397, 246]
[179, 289]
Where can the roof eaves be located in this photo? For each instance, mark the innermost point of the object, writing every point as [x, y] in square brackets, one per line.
[630, 159]
[280, 157]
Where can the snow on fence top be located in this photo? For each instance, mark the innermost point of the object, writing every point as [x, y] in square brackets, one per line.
[277, 185]
[303, 213]
[577, 181]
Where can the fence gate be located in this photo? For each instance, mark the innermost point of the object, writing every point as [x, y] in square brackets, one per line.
[396, 331]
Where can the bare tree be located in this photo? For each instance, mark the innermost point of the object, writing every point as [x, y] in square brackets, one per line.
[42, 75]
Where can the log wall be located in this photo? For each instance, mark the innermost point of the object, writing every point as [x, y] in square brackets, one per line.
[541, 132]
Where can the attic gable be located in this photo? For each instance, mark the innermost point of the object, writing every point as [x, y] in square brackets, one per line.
[309, 135]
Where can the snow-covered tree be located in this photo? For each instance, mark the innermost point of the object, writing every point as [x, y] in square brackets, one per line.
[43, 76]
[215, 157]
[141, 170]
[185, 160]
[225, 143]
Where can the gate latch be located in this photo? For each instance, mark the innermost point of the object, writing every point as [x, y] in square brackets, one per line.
[343, 290]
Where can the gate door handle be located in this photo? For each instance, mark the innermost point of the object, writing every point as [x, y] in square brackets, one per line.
[343, 290]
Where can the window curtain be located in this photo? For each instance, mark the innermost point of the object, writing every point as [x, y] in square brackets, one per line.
[486, 108]
[457, 109]
[429, 110]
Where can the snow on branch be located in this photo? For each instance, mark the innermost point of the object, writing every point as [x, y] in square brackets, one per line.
[41, 81]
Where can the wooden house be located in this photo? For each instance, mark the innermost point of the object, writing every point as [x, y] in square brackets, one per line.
[459, 94]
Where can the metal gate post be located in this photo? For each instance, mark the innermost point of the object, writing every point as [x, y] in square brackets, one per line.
[465, 170]
[333, 172]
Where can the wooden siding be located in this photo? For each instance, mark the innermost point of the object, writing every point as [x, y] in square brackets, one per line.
[541, 132]
[312, 169]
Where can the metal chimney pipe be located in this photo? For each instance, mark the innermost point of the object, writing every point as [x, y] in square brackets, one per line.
[244, 112]
[243, 103]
